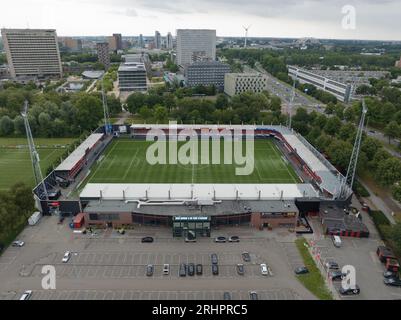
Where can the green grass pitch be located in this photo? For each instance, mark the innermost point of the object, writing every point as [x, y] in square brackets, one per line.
[15, 163]
[124, 161]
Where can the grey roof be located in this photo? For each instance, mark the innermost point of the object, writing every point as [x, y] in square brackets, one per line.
[227, 207]
[92, 74]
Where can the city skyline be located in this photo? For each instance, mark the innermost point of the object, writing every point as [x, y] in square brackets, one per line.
[287, 19]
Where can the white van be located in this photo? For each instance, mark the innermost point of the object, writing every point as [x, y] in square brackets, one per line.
[336, 241]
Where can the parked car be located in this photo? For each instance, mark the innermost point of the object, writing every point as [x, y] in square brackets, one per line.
[336, 275]
[191, 269]
[240, 269]
[215, 269]
[350, 291]
[227, 296]
[263, 269]
[166, 269]
[331, 265]
[183, 270]
[214, 258]
[66, 257]
[246, 257]
[26, 295]
[336, 241]
[395, 282]
[390, 274]
[199, 269]
[384, 253]
[253, 295]
[233, 239]
[301, 270]
[147, 239]
[149, 270]
[220, 239]
[18, 243]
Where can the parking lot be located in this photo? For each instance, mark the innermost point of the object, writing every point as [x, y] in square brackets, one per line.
[113, 266]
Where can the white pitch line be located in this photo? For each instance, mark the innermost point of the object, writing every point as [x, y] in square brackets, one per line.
[130, 165]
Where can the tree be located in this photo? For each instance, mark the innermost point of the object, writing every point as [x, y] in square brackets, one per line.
[6, 126]
[135, 101]
[333, 125]
[89, 112]
[19, 125]
[389, 171]
[392, 130]
[160, 113]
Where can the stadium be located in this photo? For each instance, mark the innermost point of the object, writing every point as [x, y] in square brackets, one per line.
[108, 182]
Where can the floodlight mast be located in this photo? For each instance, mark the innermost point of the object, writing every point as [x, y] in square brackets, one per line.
[35, 160]
[348, 181]
[105, 110]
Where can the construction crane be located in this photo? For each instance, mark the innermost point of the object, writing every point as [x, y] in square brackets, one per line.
[348, 181]
[246, 34]
[37, 173]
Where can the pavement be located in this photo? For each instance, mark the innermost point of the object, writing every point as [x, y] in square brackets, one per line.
[112, 266]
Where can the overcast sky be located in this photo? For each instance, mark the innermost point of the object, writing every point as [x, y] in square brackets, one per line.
[375, 19]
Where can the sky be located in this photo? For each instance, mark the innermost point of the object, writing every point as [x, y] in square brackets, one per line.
[374, 19]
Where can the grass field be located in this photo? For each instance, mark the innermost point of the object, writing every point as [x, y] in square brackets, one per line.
[124, 161]
[15, 163]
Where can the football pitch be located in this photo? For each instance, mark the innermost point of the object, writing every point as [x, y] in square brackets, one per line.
[15, 161]
[124, 161]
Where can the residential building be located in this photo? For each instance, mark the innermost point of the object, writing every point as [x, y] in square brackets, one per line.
[103, 53]
[236, 83]
[158, 40]
[169, 41]
[342, 91]
[115, 42]
[207, 73]
[132, 76]
[32, 53]
[195, 40]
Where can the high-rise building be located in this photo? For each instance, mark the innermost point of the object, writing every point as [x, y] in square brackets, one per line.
[103, 55]
[115, 42]
[141, 42]
[32, 52]
[169, 41]
[132, 76]
[236, 83]
[206, 73]
[195, 40]
[158, 40]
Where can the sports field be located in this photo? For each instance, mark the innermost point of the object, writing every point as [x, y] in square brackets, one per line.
[124, 161]
[15, 162]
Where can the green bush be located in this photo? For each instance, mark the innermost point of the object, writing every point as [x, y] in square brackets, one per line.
[360, 190]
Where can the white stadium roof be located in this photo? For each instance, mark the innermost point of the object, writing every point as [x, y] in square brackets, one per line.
[75, 156]
[202, 191]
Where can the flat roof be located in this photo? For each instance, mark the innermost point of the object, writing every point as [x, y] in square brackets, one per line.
[201, 191]
[132, 66]
[225, 207]
[75, 156]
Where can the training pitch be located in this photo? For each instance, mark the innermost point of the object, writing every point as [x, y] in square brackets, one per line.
[124, 161]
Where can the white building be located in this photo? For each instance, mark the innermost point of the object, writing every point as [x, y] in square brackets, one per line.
[341, 91]
[32, 52]
[195, 40]
[236, 83]
[169, 41]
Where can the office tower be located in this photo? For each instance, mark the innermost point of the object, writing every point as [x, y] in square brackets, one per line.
[103, 54]
[141, 42]
[195, 40]
[207, 73]
[236, 83]
[158, 40]
[169, 41]
[132, 76]
[32, 53]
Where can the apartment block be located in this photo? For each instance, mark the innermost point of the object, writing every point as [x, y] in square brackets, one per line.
[32, 53]
[236, 83]
[132, 76]
[103, 54]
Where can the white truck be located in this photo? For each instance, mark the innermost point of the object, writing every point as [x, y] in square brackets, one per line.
[33, 219]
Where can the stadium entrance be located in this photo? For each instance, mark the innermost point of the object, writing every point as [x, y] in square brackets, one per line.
[191, 227]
